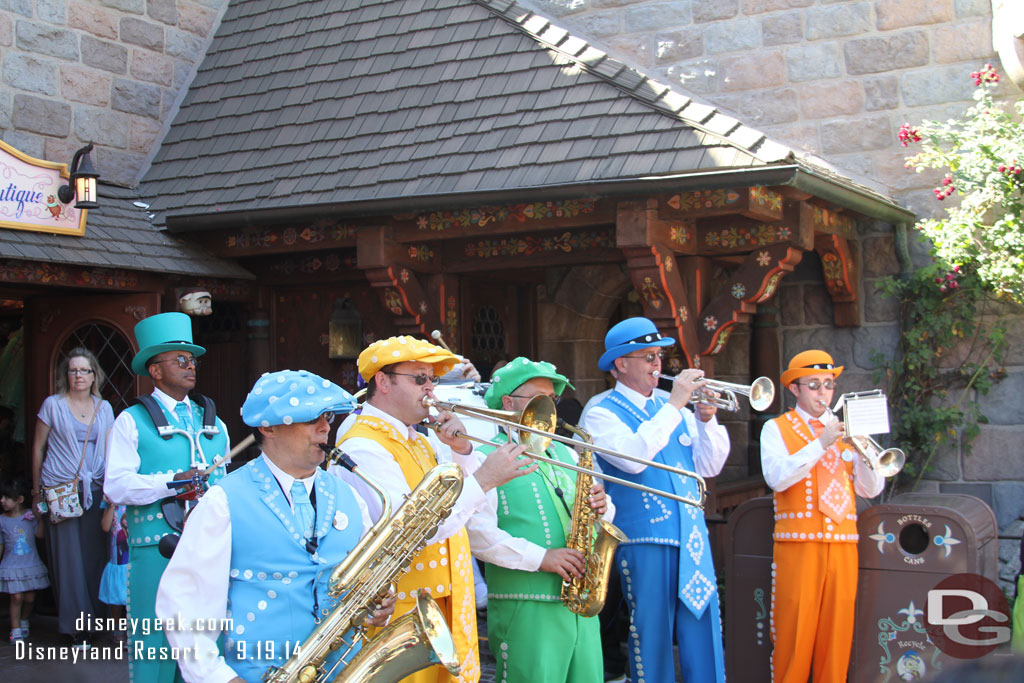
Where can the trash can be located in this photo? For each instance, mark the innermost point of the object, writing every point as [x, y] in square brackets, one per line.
[906, 547]
[748, 591]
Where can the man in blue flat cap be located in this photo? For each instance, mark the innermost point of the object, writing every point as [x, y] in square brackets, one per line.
[165, 437]
[256, 555]
[665, 568]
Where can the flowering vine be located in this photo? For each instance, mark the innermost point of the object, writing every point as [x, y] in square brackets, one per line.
[952, 336]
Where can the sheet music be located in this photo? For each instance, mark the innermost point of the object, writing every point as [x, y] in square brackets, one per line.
[867, 415]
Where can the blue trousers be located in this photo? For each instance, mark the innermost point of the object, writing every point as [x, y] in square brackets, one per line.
[658, 618]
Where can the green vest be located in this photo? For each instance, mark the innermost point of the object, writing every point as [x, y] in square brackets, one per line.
[527, 509]
[146, 525]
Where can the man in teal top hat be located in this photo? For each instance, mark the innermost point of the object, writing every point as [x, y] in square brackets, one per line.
[521, 536]
[165, 438]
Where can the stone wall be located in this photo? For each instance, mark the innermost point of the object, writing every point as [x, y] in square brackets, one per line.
[108, 71]
[836, 79]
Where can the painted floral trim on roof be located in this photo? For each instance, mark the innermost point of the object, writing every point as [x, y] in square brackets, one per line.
[755, 236]
[482, 217]
[565, 242]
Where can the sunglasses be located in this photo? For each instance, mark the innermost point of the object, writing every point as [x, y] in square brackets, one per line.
[649, 357]
[420, 379]
[329, 416]
[554, 399]
[814, 384]
[182, 361]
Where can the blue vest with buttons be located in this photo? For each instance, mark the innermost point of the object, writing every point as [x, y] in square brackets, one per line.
[277, 589]
[146, 525]
[649, 518]
[646, 517]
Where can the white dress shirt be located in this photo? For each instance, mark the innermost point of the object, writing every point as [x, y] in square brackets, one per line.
[492, 544]
[379, 464]
[710, 439]
[123, 483]
[195, 584]
[782, 469]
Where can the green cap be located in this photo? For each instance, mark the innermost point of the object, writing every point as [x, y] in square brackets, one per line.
[519, 371]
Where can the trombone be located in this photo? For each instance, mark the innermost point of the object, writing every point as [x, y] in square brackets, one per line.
[536, 425]
[887, 462]
[760, 393]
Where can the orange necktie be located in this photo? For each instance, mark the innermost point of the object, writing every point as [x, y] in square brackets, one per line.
[833, 497]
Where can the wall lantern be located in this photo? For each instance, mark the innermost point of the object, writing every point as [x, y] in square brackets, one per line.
[345, 331]
[83, 177]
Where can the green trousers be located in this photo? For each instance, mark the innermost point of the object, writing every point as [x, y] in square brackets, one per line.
[543, 642]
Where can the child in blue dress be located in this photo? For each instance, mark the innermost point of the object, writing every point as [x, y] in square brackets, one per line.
[114, 582]
[22, 573]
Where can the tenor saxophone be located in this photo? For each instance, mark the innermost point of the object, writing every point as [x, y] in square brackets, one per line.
[585, 596]
[365, 578]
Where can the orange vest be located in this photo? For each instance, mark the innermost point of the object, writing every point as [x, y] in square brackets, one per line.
[798, 510]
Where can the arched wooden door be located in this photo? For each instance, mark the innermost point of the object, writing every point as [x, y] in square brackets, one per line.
[102, 323]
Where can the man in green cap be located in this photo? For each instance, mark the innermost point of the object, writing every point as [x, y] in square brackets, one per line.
[164, 438]
[521, 536]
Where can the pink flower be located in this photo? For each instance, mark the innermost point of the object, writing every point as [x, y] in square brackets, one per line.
[987, 75]
[908, 134]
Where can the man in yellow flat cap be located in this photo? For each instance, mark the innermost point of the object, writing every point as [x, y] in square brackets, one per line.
[384, 441]
[814, 475]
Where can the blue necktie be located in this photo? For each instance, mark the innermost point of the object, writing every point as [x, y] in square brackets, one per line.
[184, 419]
[304, 514]
[652, 406]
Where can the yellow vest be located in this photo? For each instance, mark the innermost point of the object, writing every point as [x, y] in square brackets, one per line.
[443, 568]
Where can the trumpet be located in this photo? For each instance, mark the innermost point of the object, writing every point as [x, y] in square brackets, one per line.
[760, 393]
[536, 426]
[887, 462]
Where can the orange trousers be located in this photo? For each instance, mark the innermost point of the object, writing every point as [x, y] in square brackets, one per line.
[814, 588]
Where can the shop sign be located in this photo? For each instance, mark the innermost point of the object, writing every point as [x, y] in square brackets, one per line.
[28, 195]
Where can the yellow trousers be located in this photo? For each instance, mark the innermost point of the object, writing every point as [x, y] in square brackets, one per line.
[435, 673]
[814, 588]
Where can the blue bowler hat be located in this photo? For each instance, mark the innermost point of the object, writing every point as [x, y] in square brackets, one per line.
[629, 335]
[292, 396]
[163, 332]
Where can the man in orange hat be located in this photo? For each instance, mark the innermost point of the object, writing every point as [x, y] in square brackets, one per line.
[814, 573]
[386, 444]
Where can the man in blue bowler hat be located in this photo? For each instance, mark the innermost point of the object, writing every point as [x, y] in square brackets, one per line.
[166, 437]
[666, 571]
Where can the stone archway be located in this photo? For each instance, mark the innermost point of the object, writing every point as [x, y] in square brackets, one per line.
[573, 319]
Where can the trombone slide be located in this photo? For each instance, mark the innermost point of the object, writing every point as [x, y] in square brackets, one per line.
[541, 411]
[697, 502]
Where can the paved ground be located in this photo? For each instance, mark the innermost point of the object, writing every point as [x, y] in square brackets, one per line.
[38, 662]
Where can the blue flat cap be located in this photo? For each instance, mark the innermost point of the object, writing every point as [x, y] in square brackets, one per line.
[290, 396]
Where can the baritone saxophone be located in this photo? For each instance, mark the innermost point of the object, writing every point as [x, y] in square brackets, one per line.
[585, 596]
[413, 641]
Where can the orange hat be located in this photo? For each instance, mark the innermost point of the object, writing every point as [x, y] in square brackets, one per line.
[810, 362]
[394, 350]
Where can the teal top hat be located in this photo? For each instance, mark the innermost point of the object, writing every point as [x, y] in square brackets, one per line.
[629, 335]
[163, 332]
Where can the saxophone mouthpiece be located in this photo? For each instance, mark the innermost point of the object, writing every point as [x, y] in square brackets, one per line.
[336, 455]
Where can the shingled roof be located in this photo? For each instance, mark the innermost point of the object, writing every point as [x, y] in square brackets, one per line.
[304, 103]
[118, 234]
